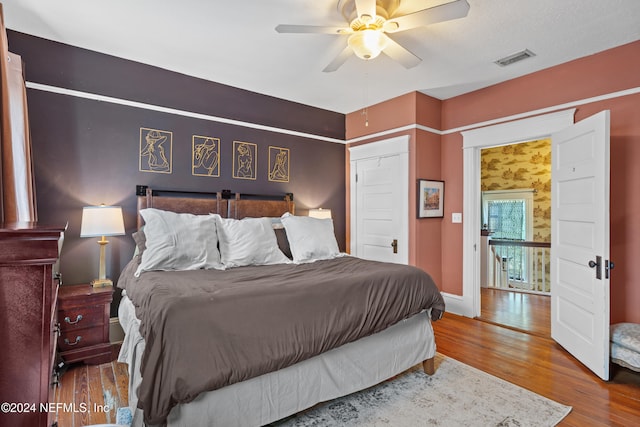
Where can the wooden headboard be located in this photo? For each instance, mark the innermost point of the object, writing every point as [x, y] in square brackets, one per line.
[224, 203]
[256, 206]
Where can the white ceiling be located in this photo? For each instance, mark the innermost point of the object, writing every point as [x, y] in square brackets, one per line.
[234, 42]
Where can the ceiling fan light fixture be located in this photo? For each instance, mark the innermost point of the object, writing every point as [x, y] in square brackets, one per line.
[368, 43]
[371, 20]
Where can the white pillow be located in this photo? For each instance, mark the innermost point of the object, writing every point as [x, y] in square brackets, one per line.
[178, 241]
[310, 239]
[248, 241]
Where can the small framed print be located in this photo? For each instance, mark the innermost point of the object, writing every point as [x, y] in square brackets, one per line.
[278, 164]
[156, 150]
[245, 160]
[430, 198]
[205, 156]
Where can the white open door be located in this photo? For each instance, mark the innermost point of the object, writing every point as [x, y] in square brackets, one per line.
[580, 241]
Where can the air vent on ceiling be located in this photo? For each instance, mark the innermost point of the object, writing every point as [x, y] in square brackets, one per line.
[516, 57]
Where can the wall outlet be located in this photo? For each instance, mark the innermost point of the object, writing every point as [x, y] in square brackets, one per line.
[456, 217]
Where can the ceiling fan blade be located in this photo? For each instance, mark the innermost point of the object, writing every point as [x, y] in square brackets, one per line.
[433, 15]
[398, 53]
[338, 60]
[312, 29]
[366, 7]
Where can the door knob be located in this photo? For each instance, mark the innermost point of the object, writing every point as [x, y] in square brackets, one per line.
[596, 264]
[394, 245]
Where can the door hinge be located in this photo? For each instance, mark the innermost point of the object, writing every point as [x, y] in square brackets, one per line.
[356, 177]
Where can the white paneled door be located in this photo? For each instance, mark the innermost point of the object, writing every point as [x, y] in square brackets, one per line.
[580, 264]
[379, 202]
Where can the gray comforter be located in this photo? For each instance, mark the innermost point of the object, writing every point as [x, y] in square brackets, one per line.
[206, 329]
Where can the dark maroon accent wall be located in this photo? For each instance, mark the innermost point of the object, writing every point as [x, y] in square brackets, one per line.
[61, 65]
[86, 151]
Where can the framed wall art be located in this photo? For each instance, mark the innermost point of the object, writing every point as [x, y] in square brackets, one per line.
[156, 150]
[245, 160]
[278, 164]
[205, 156]
[430, 198]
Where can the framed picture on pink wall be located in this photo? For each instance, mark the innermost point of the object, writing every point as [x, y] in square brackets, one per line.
[430, 198]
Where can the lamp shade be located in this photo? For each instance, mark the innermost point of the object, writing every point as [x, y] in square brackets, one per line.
[102, 221]
[320, 213]
[367, 44]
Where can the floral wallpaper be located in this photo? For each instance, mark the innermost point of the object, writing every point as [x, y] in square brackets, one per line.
[523, 166]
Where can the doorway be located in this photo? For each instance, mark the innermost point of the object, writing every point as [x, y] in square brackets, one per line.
[580, 295]
[516, 220]
[379, 194]
[473, 141]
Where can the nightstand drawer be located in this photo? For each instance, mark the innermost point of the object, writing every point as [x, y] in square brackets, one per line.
[79, 338]
[81, 317]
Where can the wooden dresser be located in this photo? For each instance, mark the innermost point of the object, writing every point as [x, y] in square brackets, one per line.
[28, 330]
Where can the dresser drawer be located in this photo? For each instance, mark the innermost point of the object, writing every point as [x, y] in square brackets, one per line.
[79, 338]
[81, 317]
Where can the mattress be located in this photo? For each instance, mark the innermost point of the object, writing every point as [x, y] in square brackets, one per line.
[273, 396]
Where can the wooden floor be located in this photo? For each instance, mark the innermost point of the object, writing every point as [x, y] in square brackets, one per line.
[540, 365]
[517, 310]
[97, 391]
[530, 361]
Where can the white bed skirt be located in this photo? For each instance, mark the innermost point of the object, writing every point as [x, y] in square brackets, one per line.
[276, 395]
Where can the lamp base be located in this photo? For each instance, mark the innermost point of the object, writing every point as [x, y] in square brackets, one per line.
[101, 283]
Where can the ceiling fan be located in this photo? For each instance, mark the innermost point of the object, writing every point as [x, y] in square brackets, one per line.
[370, 24]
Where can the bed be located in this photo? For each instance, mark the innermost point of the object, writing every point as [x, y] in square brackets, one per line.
[242, 341]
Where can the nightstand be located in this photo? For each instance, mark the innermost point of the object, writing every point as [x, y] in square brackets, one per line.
[83, 315]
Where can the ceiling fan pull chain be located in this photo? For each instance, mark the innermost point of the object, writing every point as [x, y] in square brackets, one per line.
[365, 110]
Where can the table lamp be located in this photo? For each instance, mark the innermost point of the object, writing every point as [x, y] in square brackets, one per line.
[320, 213]
[102, 221]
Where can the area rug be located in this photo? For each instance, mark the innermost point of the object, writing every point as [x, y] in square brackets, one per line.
[456, 395]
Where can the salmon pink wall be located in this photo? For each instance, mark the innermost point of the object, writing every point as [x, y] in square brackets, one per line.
[427, 234]
[570, 85]
[451, 166]
[424, 162]
[605, 73]
[390, 114]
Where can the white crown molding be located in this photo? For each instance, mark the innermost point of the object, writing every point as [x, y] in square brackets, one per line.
[499, 120]
[135, 104]
[152, 107]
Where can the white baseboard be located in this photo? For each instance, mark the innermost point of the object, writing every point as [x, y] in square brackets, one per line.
[116, 333]
[455, 304]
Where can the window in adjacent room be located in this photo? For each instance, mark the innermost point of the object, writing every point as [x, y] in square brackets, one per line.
[508, 214]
